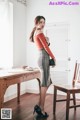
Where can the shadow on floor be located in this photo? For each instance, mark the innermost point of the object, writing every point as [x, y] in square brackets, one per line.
[36, 117]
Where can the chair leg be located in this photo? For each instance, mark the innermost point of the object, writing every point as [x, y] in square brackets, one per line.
[54, 102]
[67, 105]
[74, 100]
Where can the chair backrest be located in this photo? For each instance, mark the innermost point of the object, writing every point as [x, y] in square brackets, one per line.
[76, 76]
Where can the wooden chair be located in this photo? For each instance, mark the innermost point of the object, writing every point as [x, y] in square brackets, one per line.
[68, 89]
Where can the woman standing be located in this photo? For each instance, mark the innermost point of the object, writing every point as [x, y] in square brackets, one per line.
[45, 53]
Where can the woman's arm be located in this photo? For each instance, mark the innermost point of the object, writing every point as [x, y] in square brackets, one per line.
[45, 45]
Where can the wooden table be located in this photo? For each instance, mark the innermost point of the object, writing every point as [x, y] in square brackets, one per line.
[16, 76]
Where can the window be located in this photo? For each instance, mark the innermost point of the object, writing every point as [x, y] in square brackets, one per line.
[6, 34]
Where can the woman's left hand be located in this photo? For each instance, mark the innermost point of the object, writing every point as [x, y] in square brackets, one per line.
[47, 39]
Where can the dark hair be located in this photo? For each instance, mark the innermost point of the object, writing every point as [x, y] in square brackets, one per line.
[37, 19]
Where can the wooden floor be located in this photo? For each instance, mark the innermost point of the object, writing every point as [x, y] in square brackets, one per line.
[24, 110]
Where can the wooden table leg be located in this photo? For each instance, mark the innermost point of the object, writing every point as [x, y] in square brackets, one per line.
[39, 91]
[39, 85]
[2, 92]
[54, 101]
[67, 105]
[2, 102]
[18, 92]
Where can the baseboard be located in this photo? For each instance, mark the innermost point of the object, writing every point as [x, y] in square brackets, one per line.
[13, 96]
[35, 91]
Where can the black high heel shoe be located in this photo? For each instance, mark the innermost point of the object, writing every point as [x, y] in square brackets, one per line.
[37, 109]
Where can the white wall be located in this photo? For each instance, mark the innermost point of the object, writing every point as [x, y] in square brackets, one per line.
[67, 14]
[19, 44]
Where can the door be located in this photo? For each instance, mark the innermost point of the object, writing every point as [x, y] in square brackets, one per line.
[59, 44]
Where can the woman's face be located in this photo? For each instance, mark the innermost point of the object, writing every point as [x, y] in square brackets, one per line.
[41, 23]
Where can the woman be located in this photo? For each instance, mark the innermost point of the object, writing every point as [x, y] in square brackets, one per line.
[45, 53]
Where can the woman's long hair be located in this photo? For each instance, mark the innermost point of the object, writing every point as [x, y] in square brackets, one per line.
[37, 19]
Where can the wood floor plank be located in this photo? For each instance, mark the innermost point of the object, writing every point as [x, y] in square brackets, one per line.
[24, 110]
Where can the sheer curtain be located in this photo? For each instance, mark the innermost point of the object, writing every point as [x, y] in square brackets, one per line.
[6, 34]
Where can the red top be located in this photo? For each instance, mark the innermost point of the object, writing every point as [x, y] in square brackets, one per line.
[40, 41]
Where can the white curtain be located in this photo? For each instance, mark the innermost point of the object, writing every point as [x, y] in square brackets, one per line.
[6, 34]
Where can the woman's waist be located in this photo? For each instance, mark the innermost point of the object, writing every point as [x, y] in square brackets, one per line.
[42, 51]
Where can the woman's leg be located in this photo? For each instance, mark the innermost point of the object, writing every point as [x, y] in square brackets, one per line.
[43, 96]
